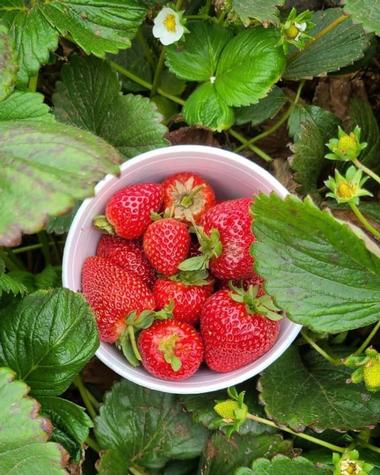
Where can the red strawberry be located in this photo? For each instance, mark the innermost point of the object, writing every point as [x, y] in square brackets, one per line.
[233, 222]
[113, 294]
[128, 211]
[225, 240]
[187, 291]
[128, 255]
[187, 196]
[234, 329]
[171, 350]
[166, 244]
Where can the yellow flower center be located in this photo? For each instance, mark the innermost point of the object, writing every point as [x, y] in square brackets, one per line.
[345, 190]
[170, 23]
[349, 467]
[347, 143]
[292, 32]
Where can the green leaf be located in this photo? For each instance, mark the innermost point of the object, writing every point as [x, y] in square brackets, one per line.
[316, 268]
[8, 64]
[339, 47]
[281, 465]
[25, 106]
[196, 59]
[70, 421]
[146, 427]
[181, 467]
[47, 339]
[132, 59]
[61, 224]
[97, 26]
[320, 396]
[265, 109]
[316, 127]
[265, 11]
[366, 12]
[10, 283]
[222, 455]
[49, 278]
[33, 35]
[46, 167]
[23, 434]
[206, 107]
[89, 97]
[361, 114]
[249, 66]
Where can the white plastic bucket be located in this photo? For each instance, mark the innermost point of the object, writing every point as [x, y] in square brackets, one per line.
[232, 176]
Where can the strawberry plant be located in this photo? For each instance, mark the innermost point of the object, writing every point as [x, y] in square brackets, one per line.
[292, 86]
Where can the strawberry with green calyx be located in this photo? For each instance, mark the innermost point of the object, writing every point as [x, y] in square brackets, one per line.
[225, 239]
[233, 412]
[187, 290]
[347, 147]
[171, 350]
[134, 324]
[122, 303]
[237, 328]
[350, 464]
[367, 369]
[166, 244]
[187, 196]
[128, 211]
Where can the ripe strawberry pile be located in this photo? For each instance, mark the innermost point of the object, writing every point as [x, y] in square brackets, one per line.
[172, 283]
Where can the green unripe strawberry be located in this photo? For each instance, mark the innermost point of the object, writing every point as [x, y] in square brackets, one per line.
[371, 375]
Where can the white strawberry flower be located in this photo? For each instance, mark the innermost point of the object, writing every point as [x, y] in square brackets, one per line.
[167, 26]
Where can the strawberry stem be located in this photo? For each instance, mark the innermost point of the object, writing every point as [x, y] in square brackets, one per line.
[310, 438]
[321, 351]
[132, 339]
[167, 347]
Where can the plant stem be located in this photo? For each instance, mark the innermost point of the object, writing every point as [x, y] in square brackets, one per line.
[93, 444]
[320, 350]
[147, 51]
[31, 247]
[366, 170]
[372, 447]
[221, 16]
[197, 17]
[310, 438]
[135, 471]
[120, 69]
[368, 226]
[157, 73]
[84, 395]
[320, 34]
[33, 82]
[255, 149]
[277, 125]
[93, 400]
[368, 340]
[42, 237]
